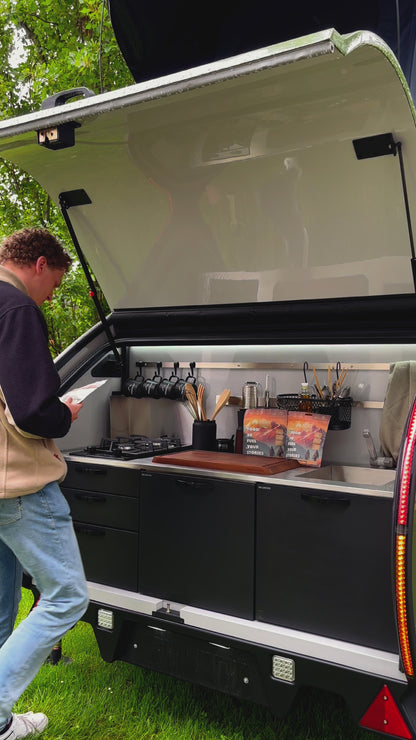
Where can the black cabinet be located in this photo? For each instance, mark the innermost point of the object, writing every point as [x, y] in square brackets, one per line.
[104, 504]
[324, 564]
[197, 542]
[104, 478]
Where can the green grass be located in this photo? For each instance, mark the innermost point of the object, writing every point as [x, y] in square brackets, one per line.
[89, 699]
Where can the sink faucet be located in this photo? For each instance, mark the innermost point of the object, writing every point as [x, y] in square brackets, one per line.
[375, 460]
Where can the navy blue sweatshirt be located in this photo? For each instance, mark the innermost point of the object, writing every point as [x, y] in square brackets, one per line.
[28, 377]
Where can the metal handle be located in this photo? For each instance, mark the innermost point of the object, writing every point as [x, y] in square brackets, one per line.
[98, 498]
[326, 498]
[89, 530]
[91, 471]
[184, 483]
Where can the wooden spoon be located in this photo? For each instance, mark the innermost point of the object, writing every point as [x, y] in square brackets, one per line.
[201, 409]
[223, 399]
[191, 396]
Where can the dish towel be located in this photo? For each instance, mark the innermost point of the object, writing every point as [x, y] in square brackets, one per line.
[400, 393]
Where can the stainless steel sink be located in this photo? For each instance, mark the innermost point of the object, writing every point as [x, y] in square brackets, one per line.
[351, 474]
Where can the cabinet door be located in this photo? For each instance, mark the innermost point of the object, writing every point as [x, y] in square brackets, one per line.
[324, 564]
[196, 542]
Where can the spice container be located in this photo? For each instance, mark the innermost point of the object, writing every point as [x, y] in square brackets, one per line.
[305, 402]
[250, 395]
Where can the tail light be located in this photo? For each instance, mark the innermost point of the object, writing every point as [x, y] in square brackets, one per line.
[403, 517]
[383, 715]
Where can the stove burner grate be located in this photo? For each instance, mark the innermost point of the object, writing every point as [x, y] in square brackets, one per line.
[131, 447]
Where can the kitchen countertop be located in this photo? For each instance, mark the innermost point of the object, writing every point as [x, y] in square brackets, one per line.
[292, 478]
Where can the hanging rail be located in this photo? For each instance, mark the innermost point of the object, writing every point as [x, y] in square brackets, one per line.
[385, 366]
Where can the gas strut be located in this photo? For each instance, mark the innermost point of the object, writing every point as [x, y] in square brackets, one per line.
[80, 198]
[379, 146]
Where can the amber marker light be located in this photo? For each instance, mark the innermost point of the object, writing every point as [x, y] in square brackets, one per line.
[402, 569]
[401, 609]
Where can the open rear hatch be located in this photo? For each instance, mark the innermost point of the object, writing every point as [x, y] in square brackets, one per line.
[252, 179]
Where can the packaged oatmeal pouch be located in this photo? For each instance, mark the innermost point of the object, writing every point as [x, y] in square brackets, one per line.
[306, 435]
[265, 432]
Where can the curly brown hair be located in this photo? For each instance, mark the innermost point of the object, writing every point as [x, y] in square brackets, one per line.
[24, 247]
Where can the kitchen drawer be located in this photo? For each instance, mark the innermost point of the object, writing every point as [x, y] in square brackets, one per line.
[324, 564]
[197, 542]
[104, 478]
[109, 555]
[106, 509]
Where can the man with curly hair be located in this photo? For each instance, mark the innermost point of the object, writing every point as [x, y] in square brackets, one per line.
[36, 532]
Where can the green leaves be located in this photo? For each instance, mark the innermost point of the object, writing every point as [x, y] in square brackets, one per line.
[63, 43]
[45, 47]
[71, 311]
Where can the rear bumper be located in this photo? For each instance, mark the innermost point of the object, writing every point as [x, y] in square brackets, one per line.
[262, 663]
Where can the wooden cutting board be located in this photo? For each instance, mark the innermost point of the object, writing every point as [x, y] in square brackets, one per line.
[227, 461]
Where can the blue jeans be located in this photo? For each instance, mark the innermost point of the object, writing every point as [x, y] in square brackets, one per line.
[36, 533]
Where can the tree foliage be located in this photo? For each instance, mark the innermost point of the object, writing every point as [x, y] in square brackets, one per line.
[46, 47]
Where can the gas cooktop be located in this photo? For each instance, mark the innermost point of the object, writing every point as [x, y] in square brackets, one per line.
[131, 447]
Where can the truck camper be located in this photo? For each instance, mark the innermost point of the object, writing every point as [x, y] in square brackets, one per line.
[250, 220]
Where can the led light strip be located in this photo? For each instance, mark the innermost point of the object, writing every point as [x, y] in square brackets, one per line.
[401, 605]
[401, 545]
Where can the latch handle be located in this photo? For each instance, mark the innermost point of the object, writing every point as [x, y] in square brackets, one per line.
[53, 101]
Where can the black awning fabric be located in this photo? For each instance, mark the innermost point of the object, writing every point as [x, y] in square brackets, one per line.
[163, 37]
[367, 320]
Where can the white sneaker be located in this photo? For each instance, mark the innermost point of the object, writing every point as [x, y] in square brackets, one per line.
[25, 725]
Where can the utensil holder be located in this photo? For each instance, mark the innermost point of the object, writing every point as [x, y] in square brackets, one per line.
[339, 409]
[204, 435]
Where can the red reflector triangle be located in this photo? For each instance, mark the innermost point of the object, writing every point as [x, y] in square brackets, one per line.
[383, 715]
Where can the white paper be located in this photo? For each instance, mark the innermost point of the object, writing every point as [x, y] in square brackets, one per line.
[79, 394]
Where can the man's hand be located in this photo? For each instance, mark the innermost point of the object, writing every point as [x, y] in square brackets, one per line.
[74, 408]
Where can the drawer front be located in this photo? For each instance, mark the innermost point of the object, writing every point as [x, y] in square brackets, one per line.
[109, 555]
[107, 479]
[106, 509]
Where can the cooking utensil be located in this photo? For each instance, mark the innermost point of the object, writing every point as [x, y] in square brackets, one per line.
[317, 386]
[200, 399]
[223, 399]
[191, 397]
[342, 377]
[338, 385]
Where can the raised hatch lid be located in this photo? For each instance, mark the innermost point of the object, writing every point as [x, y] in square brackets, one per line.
[238, 181]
